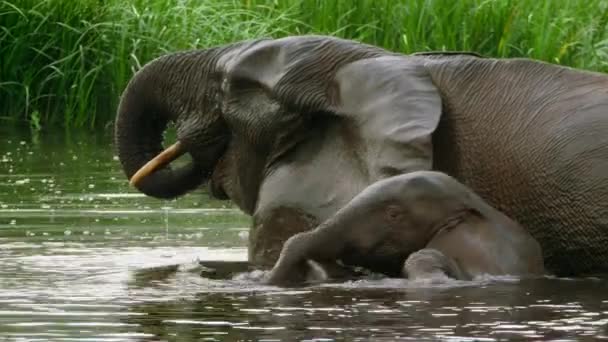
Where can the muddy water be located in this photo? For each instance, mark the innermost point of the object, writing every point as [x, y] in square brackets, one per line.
[75, 241]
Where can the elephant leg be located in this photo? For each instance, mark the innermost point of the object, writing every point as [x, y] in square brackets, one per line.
[270, 230]
[430, 263]
[342, 235]
[291, 271]
[294, 264]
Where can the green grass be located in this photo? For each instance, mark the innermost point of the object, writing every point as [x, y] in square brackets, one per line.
[65, 62]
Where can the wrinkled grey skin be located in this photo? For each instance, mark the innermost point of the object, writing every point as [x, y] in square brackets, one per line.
[291, 129]
[428, 220]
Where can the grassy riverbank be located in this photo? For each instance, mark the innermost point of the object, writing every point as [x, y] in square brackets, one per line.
[66, 62]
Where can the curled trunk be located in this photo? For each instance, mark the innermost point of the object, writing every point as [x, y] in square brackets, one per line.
[169, 89]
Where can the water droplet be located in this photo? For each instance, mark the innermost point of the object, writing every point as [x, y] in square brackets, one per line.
[91, 186]
[13, 222]
[67, 232]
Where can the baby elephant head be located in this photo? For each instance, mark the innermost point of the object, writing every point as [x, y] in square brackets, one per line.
[410, 203]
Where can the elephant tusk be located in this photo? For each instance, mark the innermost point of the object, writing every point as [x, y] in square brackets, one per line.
[165, 157]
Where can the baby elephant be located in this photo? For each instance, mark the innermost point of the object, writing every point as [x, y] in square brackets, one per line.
[422, 224]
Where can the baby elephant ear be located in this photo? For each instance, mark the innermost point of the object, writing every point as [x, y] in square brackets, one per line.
[395, 107]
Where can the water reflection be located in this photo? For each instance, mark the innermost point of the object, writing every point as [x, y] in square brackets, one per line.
[491, 310]
[84, 257]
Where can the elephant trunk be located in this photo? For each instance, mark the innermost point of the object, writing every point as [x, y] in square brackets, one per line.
[166, 90]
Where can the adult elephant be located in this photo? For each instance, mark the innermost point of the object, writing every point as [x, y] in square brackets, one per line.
[291, 129]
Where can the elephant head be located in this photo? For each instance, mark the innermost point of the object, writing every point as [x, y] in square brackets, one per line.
[243, 110]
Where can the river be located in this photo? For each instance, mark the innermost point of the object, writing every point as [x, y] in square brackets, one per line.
[83, 257]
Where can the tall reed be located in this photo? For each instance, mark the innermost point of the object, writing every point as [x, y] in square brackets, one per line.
[66, 62]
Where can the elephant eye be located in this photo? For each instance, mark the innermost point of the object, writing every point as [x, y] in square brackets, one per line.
[245, 85]
[242, 82]
[394, 212]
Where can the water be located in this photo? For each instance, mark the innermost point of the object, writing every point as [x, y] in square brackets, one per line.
[80, 254]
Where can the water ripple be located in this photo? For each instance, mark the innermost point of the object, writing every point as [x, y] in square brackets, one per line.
[84, 257]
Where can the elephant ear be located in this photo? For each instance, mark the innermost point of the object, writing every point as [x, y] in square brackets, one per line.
[396, 108]
[388, 100]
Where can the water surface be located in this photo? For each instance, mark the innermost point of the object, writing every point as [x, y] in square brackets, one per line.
[75, 240]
